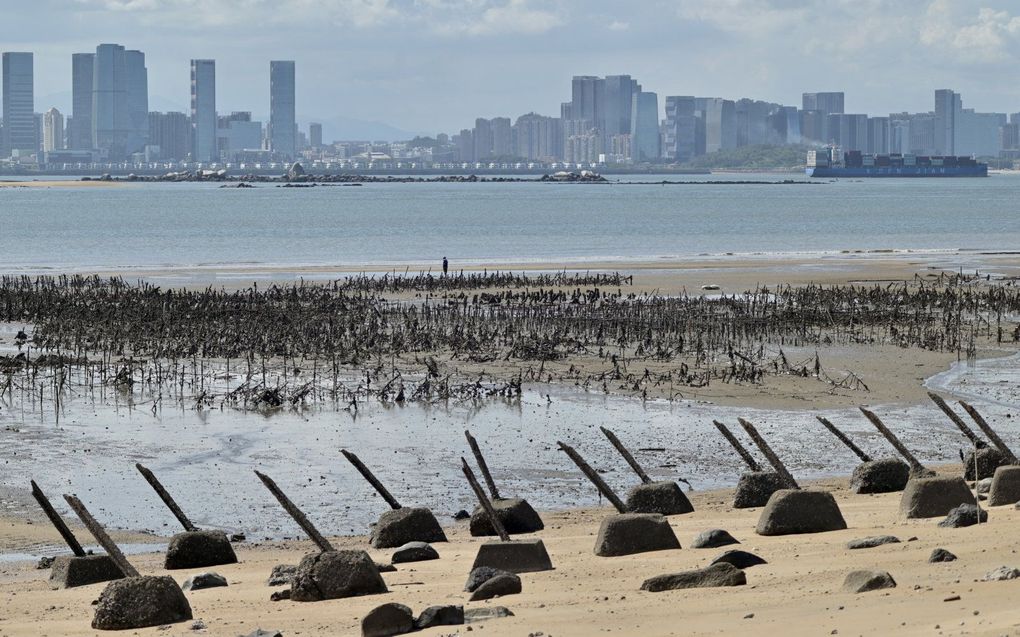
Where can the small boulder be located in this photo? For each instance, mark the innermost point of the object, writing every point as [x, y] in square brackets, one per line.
[282, 574]
[480, 575]
[140, 602]
[385, 568]
[885, 475]
[755, 488]
[280, 595]
[199, 549]
[1001, 574]
[665, 498]
[713, 539]
[472, 615]
[988, 460]
[440, 616]
[1005, 487]
[721, 574]
[864, 581]
[386, 620]
[740, 559]
[336, 574]
[984, 486]
[934, 497]
[516, 515]
[963, 516]
[397, 527]
[498, 586]
[791, 511]
[261, 632]
[941, 555]
[872, 542]
[204, 580]
[629, 533]
[414, 552]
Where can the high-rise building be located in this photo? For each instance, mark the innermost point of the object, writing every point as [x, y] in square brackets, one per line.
[828, 103]
[137, 101]
[171, 132]
[538, 138]
[19, 133]
[315, 135]
[878, 135]
[618, 103]
[681, 128]
[466, 145]
[720, 121]
[119, 95]
[203, 110]
[53, 130]
[644, 127]
[948, 105]
[79, 126]
[587, 98]
[282, 114]
[237, 133]
[502, 137]
[482, 138]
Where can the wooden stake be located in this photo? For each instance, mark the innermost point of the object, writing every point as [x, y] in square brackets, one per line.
[992, 435]
[844, 439]
[296, 513]
[593, 475]
[744, 453]
[482, 466]
[497, 525]
[773, 459]
[626, 455]
[97, 531]
[893, 440]
[962, 426]
[372, 480]
[57, 521]
[165, 497]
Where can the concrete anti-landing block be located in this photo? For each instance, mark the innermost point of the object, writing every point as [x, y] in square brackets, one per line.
[397, 527]
[629, 533]
[69, 571]
[755, 488]
[518, 556]
[199, 549]
[1005, 486]
[139, 602]
[988, 460]
[885, 475]
[665, 498]
[792, 511]
[516, 515]
[934, 497]
[335, 575]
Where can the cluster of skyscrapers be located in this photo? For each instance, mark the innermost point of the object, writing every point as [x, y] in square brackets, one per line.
[110, 120]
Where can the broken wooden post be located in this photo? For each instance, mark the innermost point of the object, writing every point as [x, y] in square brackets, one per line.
[57, 521]
[484, 501]
[748, 458]
[773, 459]
[593, 476]
[844, 439]
[296, 513]
[962, 426]
[626, 455]
[165, 497]
[482, 466]
[991, 433]
[915, 465]
[99, 533]
[372, 480]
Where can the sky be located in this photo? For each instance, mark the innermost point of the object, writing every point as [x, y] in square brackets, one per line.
[435, 65]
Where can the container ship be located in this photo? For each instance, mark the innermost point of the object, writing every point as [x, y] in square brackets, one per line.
[831, 163]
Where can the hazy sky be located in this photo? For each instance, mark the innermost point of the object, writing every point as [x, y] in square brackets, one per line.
[435, 65]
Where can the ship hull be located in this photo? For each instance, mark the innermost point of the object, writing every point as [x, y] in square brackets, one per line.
[980, 170]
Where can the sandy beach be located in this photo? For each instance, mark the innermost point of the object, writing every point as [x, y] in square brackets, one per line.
[797, 593]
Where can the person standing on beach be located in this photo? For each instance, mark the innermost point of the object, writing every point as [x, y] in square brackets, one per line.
[446, 266]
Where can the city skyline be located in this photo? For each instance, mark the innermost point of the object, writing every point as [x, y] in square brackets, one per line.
[890, 55]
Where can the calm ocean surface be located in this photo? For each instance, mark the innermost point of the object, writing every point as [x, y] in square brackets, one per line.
[189, 225]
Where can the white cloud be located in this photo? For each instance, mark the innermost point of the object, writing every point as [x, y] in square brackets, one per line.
[484, 17]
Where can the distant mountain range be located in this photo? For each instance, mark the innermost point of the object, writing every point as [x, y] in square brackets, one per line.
[333, 128]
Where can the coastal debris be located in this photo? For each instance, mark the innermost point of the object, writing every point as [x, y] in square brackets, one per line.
[991, 433]
[515, 514]
[974, 439]
[387, 620]
[665, 497]
[297, 514]
[872, 542]
[842, 437]
[604, 489]
[773, 459]
[716, 575]
[752, 464]
[738, 558]
[964, 515]
[712, 539]
[497, 586]
[57, 521]
[916, 468]
[864, 581]
[449, 615]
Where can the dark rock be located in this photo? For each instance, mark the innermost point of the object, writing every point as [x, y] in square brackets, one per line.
[932, 497]
[518, 556]
[69, 571]
[964, 515]
[480, 575]
[472, 615]
[792, 511]
[264, 633]
[336, 574]
[1005, 487]
[498, 586]
[397, 527]
[1002, 574]
[280, 595]
[740, 559]
[282, 574]
[295, 171]
[721, 574]
[199, 549]
[204, 580]
[872, 542]
[755, 488]
[665, 498]
[516, 515]
[885, 475]
[941, 555]
[388, 619]
[139, 602]
[44, 563]
[414, 552]
[385, 568]
[461, 515]
[864, 581]
[988, 460]
[237, 537]
[713, 539]
[440, 616]
[629, 533]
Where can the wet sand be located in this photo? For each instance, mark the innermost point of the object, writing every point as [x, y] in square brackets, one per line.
[796, 593]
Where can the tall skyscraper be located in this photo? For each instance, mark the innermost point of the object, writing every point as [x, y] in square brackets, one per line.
[315, 135]
[282, 115]
[137, 101]
[617, 105]
[482, 137]
[53, 130]
[828, 103]
[948, 105]
[79, 127]
[681, 128]
[587, 95]
[720, 121]
[111, 125]
[203, 110]
[644, 127]
[501, 137]
[19, 131]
